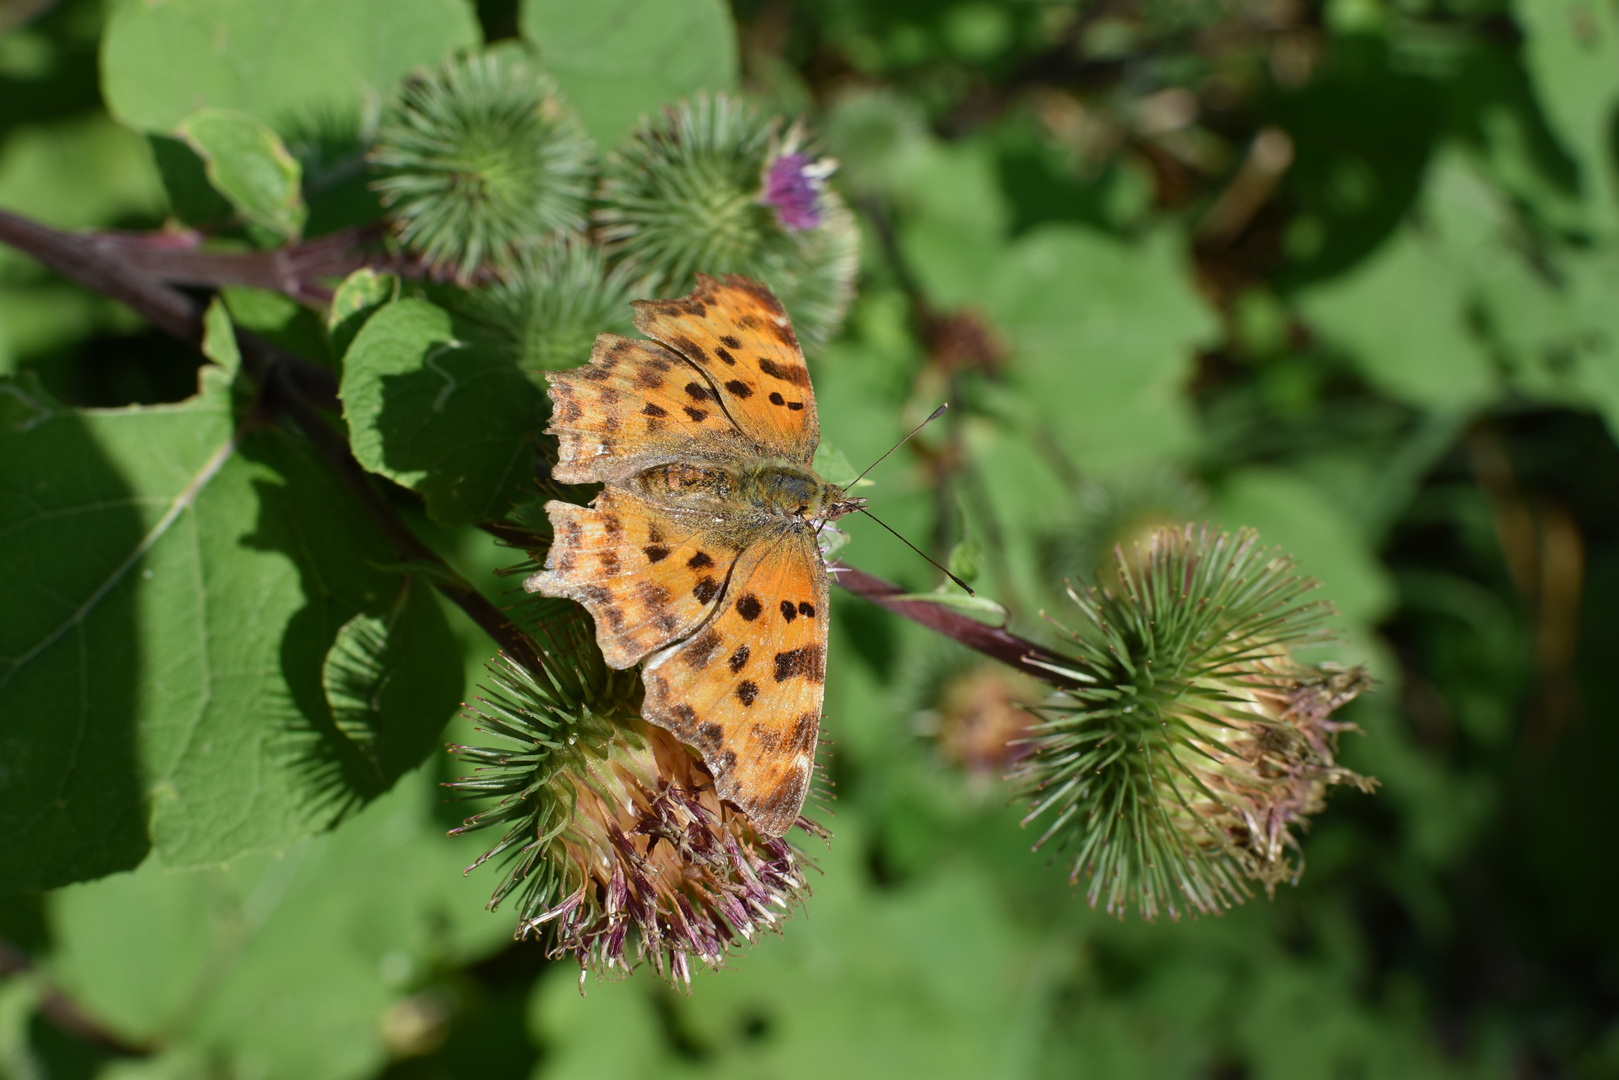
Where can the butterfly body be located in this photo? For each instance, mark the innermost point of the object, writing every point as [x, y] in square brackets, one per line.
[699, 560]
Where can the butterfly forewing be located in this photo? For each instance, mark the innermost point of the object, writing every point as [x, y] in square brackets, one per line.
[740, 336]
[636, 404]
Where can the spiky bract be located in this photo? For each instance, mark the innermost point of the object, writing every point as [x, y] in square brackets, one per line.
[615, 841]
[480, 160]
[555, 301]
[687, 194]
[1193, 741]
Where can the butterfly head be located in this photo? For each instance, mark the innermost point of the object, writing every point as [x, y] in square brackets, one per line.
[835, 504]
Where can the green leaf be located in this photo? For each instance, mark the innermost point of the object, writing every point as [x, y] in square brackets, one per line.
[451, 418]
[1103, 336]
[279, 319]
[219, 337]
[172, 588]
[280, 60]
[247, 164]
[1572, 53]
[1296, 516]
[386, 687]
[280, 966]
[833, 465]
[360, 294]
[619, 60]
[1401, 317]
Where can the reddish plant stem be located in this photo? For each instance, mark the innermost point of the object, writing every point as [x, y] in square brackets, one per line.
[1009, 649]
[174, 258]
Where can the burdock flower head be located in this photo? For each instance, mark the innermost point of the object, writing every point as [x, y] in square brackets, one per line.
[615, 843]
[714, 186]
[1191, 741]
[479, 161]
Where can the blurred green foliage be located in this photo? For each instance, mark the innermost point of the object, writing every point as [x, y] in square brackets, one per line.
[1346, 272]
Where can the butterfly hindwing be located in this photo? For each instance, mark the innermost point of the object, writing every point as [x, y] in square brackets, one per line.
[636, 404]
[647, 574]
[745, 689]
[739, 335]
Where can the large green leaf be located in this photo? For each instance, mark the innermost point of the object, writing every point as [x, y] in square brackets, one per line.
[281, 966]
[619, 60]
[452, 418]
[1103, 336]
[1401, 316]
[284, 61]
[172, 589]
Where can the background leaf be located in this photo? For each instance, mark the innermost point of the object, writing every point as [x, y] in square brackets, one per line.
[620, 60]
[278, 61]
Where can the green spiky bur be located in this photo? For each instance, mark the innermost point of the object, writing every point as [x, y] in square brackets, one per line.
[479, 161]
[555, 301]
[553, 721]
[683, 196]
[614, 839]
[1193, 741]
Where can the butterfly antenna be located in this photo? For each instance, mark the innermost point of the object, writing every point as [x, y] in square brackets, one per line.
[932, 417]
[916, 549]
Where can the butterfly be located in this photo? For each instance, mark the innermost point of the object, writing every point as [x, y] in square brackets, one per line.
[700, 557]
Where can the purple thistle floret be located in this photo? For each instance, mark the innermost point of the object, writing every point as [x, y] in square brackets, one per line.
[793, 186]
[689, 878]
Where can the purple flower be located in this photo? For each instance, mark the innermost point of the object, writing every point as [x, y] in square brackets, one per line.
[793, 186]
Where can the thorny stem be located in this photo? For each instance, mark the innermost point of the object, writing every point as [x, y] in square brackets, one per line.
[1009, 649]
[173, 257]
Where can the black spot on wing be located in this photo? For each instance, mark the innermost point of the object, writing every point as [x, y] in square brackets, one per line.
[655, 552]
[696, 414]
[705, 590]
[740, 389]
[700, 561]
[701, 649]
[805, 662]
[806, 609]
[652, 410]
[749, 607]
[683, 716]
[739, 659]
[746, 691]
[789, 610]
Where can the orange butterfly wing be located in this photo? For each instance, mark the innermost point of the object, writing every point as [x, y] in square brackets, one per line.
[740, 336]
[647, 574]
[635, 405]
[746, 688]
[729, 612]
